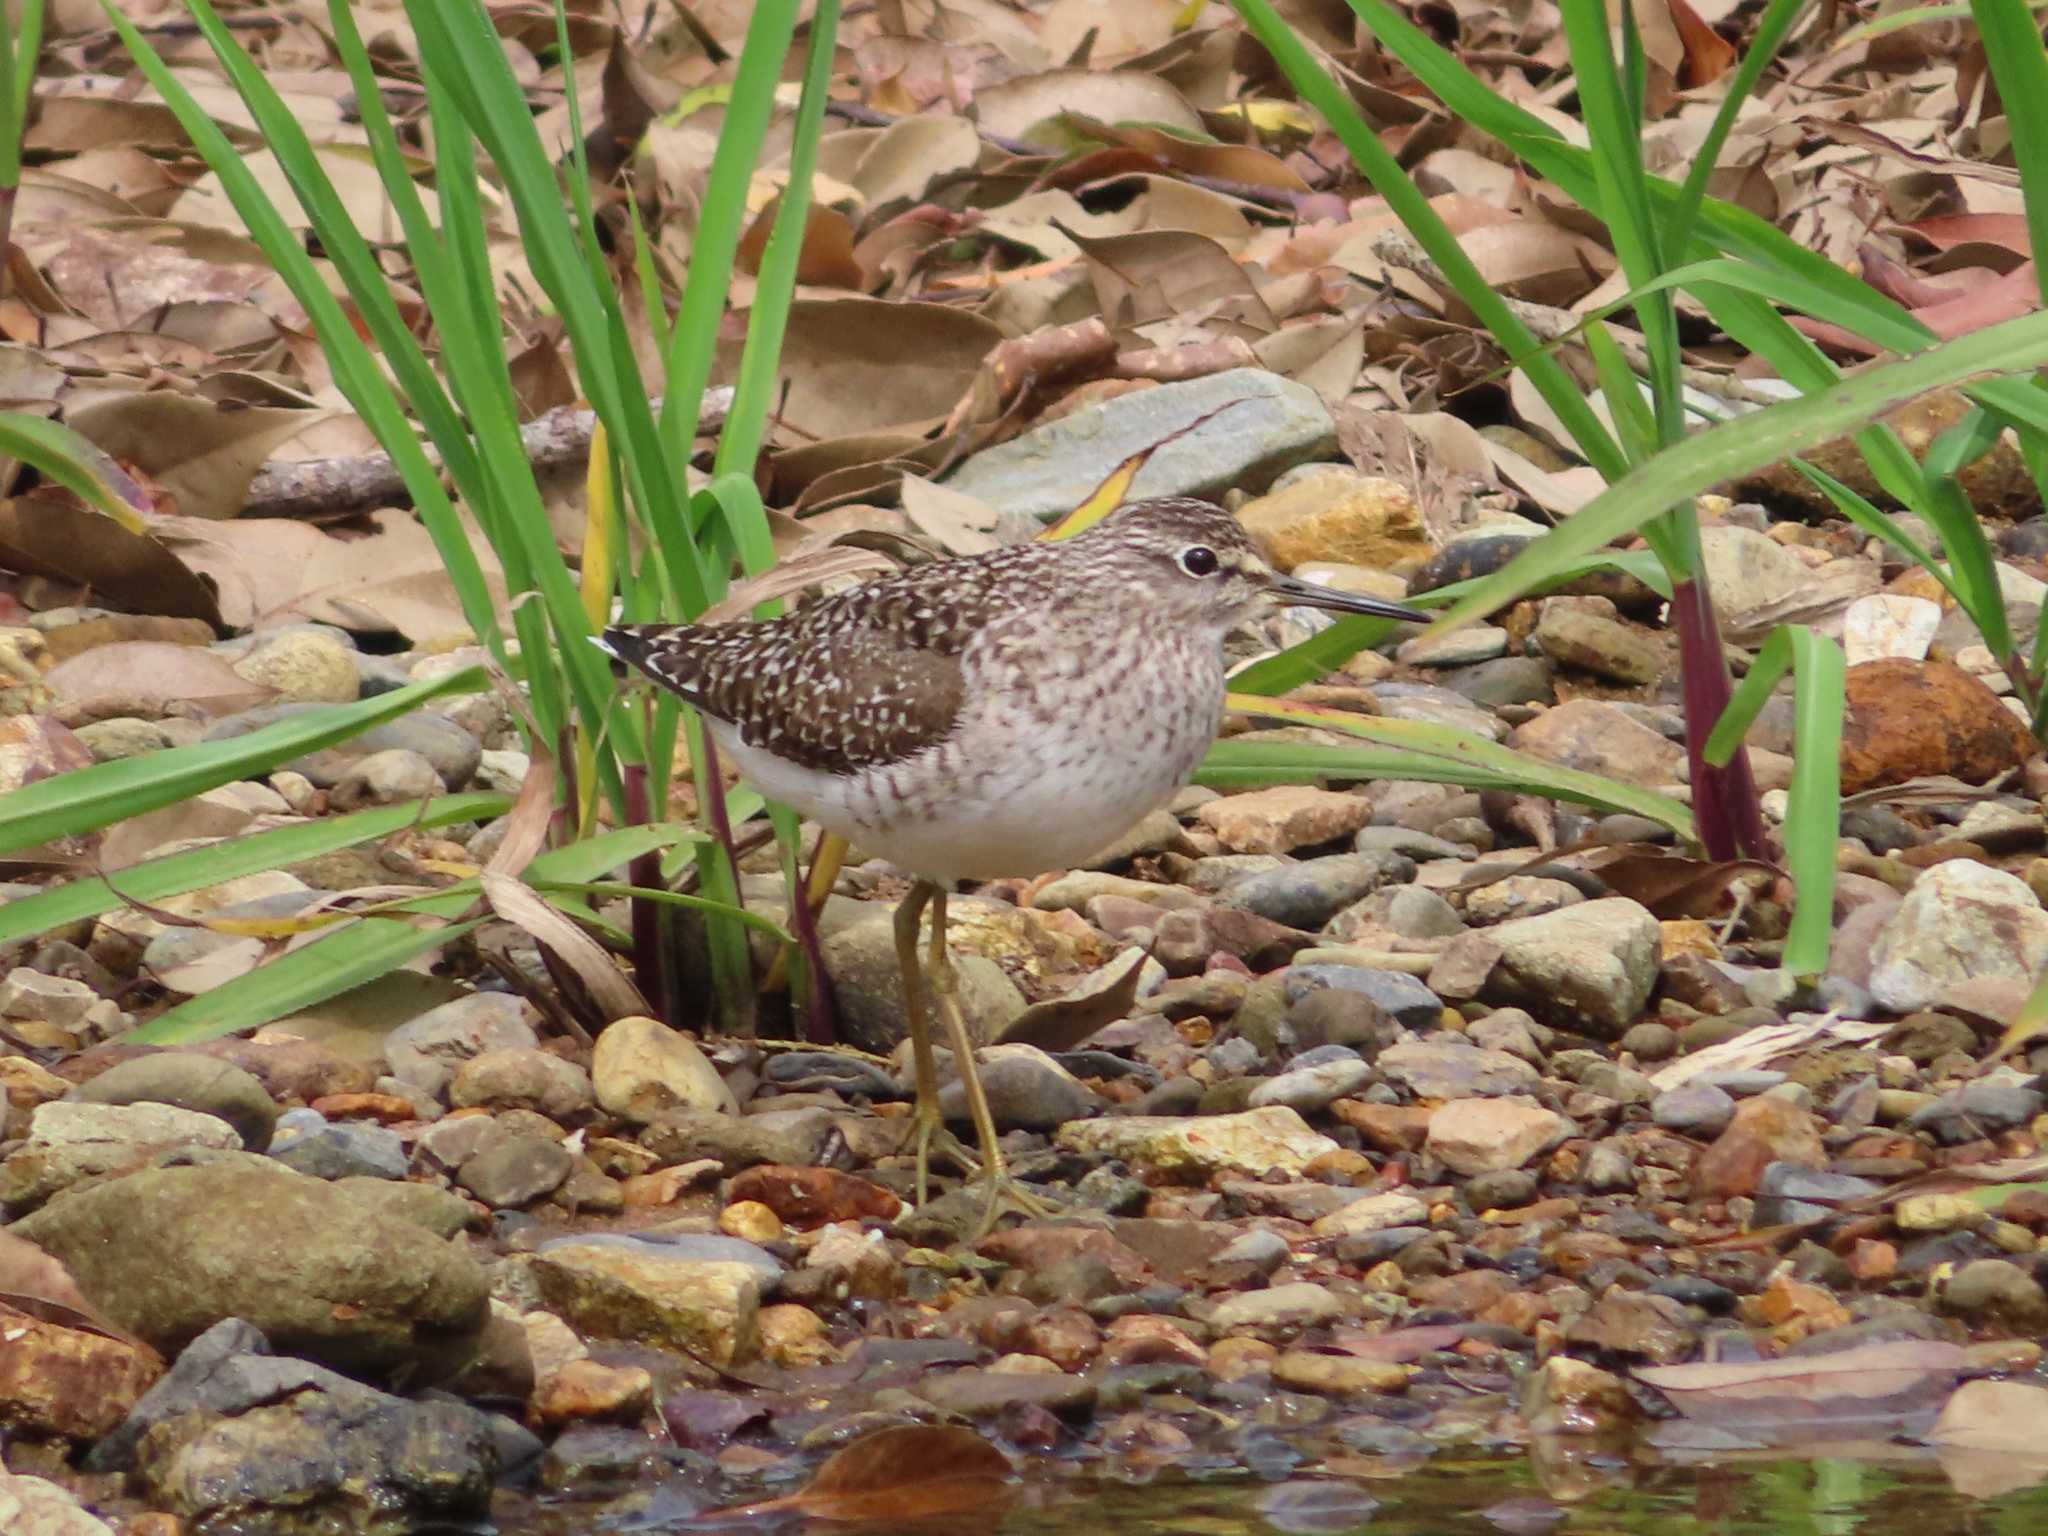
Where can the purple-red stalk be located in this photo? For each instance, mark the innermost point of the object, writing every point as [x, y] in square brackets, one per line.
[820, 1028]
[1724, 800]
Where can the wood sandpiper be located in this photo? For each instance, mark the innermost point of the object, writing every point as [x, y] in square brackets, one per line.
[986, 717]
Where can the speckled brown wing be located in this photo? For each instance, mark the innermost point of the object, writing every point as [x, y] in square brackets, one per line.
[860, 680]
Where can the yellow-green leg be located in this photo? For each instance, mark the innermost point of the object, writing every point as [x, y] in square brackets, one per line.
[1004, 1192]
[930, 1127]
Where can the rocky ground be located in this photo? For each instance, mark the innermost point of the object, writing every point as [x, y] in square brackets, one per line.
[1401, 1147]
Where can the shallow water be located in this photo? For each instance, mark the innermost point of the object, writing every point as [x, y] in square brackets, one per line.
[1872, 1490]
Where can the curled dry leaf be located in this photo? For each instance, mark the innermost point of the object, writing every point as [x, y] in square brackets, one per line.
[32, 1281]
[1671, 885]
[519, 904]
[1062, 1023]
[912, 1472]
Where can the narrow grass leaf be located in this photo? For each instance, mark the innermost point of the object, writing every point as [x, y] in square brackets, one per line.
[90, 798]
[1813, 815]
[1754, 442]
[1422, 750]
[230, 859]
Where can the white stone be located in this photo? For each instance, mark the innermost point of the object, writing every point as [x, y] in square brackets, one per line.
[1197, 1146]
[1888, 624]
[1962, 921]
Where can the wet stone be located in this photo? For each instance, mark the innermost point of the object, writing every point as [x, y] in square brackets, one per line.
[1343, 1017]
[1978, 1109]
[1790, 1193]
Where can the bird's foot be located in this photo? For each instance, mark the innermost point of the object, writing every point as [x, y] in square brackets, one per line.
[931, 1135]
[1006, 1195]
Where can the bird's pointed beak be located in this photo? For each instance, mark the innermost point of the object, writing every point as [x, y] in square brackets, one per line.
[1290, 589]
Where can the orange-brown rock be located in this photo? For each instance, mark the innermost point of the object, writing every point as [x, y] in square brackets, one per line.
[811, 1197]
[584, 1389]
[1908, 719]
[66, 1382]
[1764, 1131]
[1385, 1127]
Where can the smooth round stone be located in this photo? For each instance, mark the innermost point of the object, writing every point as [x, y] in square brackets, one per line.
[1311, 1090]
[1695, 1109]
[189, 1080]
[1401, 996]
[1307, 894]
[1651, 1042]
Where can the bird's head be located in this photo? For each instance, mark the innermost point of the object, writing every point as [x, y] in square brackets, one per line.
[1197, 565]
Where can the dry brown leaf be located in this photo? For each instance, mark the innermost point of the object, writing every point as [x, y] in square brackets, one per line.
[866, 365]
[127, 570]
[390, 581]
[904, 160]
[910, 1472]
[519, 904]
[32, 1281]
[1172, 275]
[1015, 107]
[957, 522]
[202, 453]
[1671, 885]
[826, 260]
[1891, 1383]
[1063, 1023]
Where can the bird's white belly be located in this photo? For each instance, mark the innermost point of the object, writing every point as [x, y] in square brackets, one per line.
[1007, 795]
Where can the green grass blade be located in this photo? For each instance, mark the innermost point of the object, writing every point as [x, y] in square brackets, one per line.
[767, 321]
[59, 454]
[232, 858]
[1813, 817]
[1419, 750]
[328, 967]
[374, 946]
[94, 797]
[1755, 441]
[722, 219]
[2011, 36]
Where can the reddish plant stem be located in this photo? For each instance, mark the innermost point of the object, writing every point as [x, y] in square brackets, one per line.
[820, 1028]
[1724, 800]
[649, 953]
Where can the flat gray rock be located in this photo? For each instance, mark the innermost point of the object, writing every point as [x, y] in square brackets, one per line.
[1271, 425]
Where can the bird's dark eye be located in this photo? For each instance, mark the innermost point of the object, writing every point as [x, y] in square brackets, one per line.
[1200, 560]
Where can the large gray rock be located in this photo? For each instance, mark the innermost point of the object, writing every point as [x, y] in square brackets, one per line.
[169, 1252]
[1270, 424]
[235, 1439]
